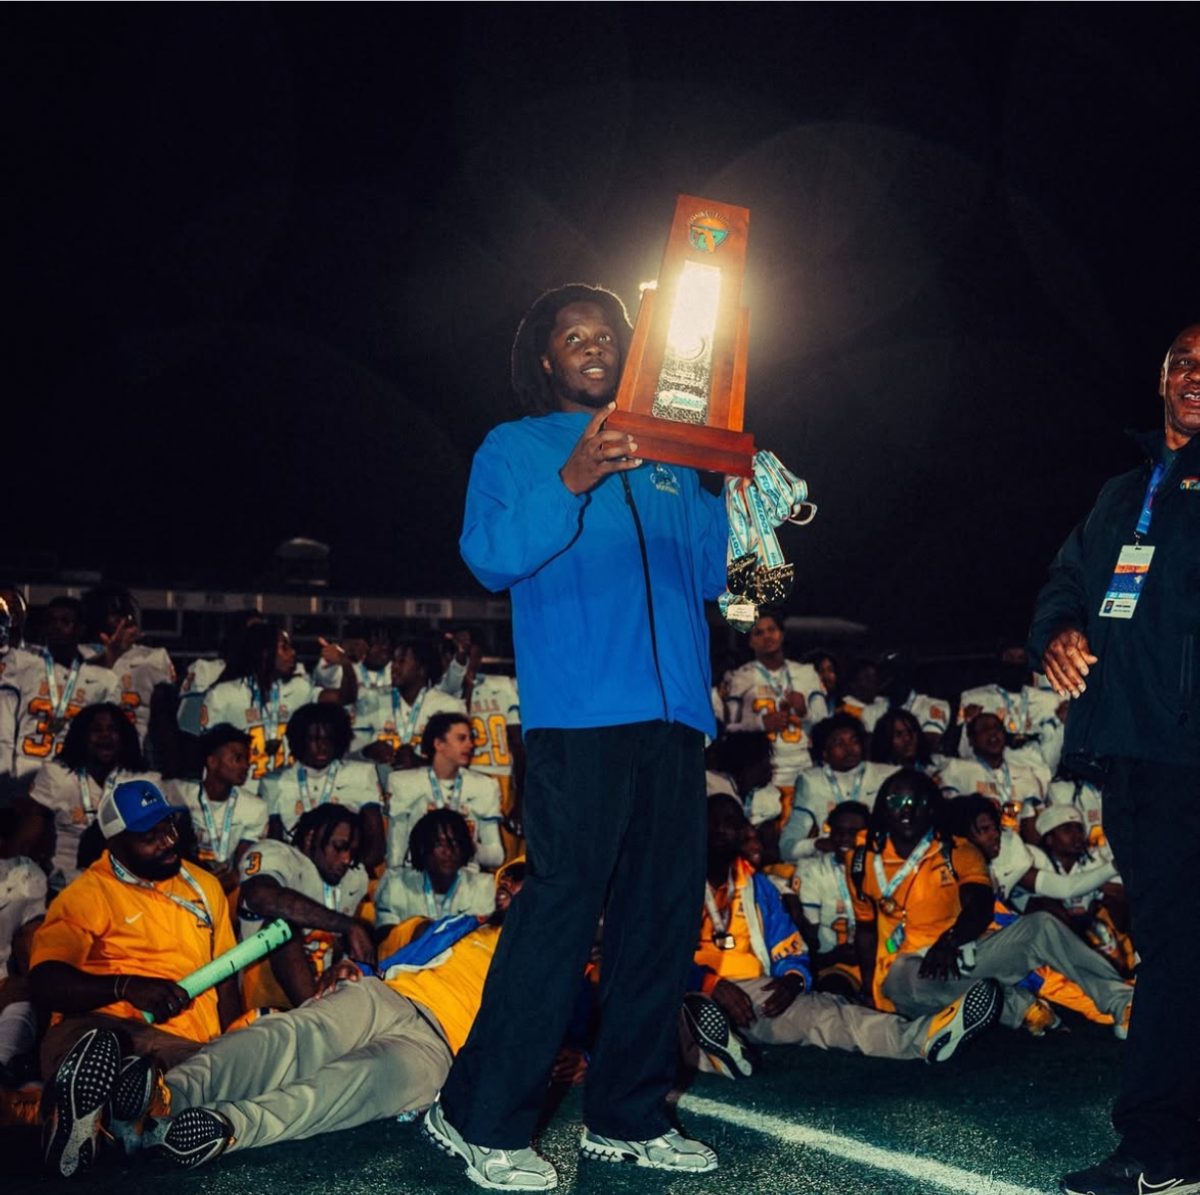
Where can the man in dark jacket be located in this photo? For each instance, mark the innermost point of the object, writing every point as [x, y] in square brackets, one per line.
[1117, 627]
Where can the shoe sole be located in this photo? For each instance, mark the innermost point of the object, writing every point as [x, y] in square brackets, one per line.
[724, 1060]
[82, 1086]
[979, 1011]
[614, 1153]
[180, 1150]
[1188, 1188]
[446, 1144]
[133, 1090]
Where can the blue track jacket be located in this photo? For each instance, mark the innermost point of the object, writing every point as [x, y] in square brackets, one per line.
[581, 627]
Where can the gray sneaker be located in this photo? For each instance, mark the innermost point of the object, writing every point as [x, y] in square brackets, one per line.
[671, 1151]
[496, 1169]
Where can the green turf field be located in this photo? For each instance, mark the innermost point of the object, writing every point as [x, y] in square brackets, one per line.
[1005, 1118]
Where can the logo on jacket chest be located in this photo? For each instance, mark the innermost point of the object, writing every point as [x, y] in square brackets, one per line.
[663, 479]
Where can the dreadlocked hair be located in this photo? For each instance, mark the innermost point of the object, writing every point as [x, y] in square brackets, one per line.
[530, 382]
[321, 821]
[920, 785]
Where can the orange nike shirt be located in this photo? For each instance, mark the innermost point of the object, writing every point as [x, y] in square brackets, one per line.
[104, 926]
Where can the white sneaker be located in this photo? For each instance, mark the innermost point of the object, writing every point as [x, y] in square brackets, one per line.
[671, 1151]
[496, 1169]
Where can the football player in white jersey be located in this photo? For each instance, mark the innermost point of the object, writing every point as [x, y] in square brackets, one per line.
[863, 697]
[261, 688]
[319, 737]
[439, 881]
[993, 771]
[100, 751]
[447, 783]
[12, 634]
[315, 884]
[111, 616]
[389, 723]
[828, 911]
[840, 774]
[1070, 790]
[1031, 715]
[371, 668]
[50, 686]
[778, 695]
[226, 812]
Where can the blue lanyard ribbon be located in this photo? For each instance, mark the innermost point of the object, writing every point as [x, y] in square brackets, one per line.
[1143, 523]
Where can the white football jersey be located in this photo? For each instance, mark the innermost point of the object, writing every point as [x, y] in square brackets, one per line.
[1012, 784]
[48, 696]
[264, 717]
[292, 791]
[199, 678]
[293, 869]
[384, 715]
[1010, 865]
[138, 671]
[22, 898]
[931, 712]
[867, 713]
[221, 826]
[820, 790]
[820, 882]
[73, 798]
[754, 691]
[405, 893]
[1099, 860]
[413, 792]
[1031, 712]
[494, 708]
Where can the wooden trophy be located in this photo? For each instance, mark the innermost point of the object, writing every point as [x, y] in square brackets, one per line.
[683, 388]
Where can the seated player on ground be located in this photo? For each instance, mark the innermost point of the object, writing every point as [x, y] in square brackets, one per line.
[367, 1049]
[740, 765]
[839, 773]
[389, 723]
[921, 896]
[1100, 913]
[100, 751]
[827, 911]
[261, 688]
[1067, 789]
[447, 783]
[112, 946]
[319, 736]
[49, 686]
[751, 973]
[315, 884]
[23, 893]
[1014, 878]
[437, 882]
[778, 695]
[992, 771]
[227, 815]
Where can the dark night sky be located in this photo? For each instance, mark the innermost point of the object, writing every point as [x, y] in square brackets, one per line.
[265, 263]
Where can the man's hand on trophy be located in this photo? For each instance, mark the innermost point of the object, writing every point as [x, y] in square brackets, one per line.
[597, 454]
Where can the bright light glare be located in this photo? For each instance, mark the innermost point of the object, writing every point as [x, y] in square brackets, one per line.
[643, 287]
[694, 318]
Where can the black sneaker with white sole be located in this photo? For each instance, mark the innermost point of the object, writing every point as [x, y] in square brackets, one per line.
[196, 1136]
[80, 1092]
[977, 1009]
[714, 1037]
[1124, 1175]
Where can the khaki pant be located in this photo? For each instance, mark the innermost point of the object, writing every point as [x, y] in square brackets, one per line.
[1008, 955]
[827, 1022]
[361, 1053]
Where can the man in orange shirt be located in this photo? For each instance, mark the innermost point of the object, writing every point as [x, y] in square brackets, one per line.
[923, 901]
[113, 945]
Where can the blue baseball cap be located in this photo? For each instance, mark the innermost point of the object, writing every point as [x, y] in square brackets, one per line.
[136, 805]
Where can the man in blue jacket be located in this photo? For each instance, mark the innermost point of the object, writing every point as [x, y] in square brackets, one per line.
[608, 561]
[1117, 627]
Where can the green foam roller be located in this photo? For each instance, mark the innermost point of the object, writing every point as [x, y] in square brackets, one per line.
[259, 945]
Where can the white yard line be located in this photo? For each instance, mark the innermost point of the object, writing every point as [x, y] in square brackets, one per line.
[923, 1170]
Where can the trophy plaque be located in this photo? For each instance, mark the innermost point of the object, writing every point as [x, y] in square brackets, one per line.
[683, 387]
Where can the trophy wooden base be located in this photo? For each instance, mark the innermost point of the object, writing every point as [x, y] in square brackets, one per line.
[715, 449]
